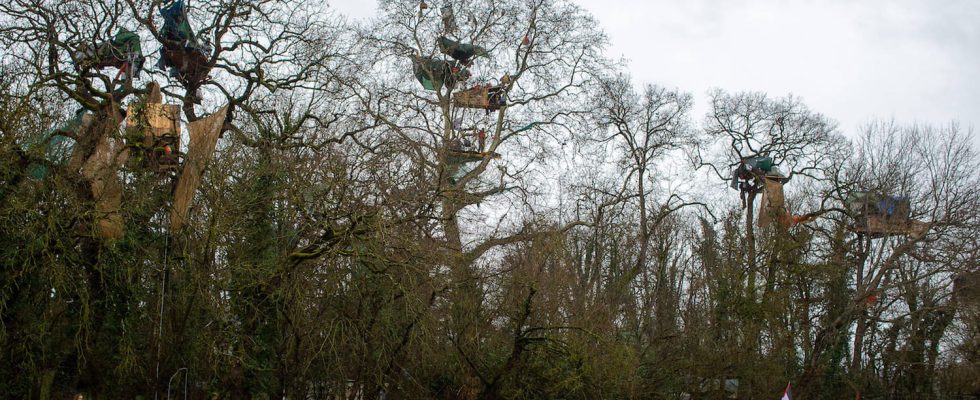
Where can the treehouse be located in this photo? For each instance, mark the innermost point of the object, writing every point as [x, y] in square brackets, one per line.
[434, 73]
[882, 215]
[154, 128]
[760, 175]
[188, 64]
[462, 52]
[182, 53]
[752, 170]
[486, 97]
[123, 52]
[469, 156]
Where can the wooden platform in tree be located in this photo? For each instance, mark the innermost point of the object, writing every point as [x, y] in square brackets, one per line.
[483, 97]
[878, 226]
[470, 156]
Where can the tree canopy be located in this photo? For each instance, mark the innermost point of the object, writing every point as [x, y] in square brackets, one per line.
[470, 200]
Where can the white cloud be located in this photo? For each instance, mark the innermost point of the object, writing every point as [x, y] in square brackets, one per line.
[854, 61]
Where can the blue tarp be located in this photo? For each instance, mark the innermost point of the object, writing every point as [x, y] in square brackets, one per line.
[175, 25]
[890, 205]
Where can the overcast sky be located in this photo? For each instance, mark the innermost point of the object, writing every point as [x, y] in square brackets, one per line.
[911, 60]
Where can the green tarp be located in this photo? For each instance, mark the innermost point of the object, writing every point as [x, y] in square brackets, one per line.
[57, 152]
[57, 147]
[126, 41]
[130, 41]
[763, 163]
[526, 127]
[122, 49]
[746, 170]
[434, 73]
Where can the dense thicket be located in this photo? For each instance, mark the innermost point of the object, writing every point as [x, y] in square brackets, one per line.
[338, 248]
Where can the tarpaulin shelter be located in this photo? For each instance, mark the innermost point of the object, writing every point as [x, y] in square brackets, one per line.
[751, 168]
[462, 52]
[763, 163]
[880, 215]
[182, 50]
[468, 156]
[175, 24]
[434, 73]
[759, 174]
[486, 97]
[868, 203]
[123, 52]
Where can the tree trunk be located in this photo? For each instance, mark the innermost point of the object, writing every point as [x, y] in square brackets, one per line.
[750, 244]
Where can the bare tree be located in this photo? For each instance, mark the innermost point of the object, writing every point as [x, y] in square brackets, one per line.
[932, 168]
[741, 126]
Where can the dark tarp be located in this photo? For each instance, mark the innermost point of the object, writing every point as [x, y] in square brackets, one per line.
[463, 52]
[175, 24]
[763, 163]
[750, 167]
[177, 30]
[434, 73]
